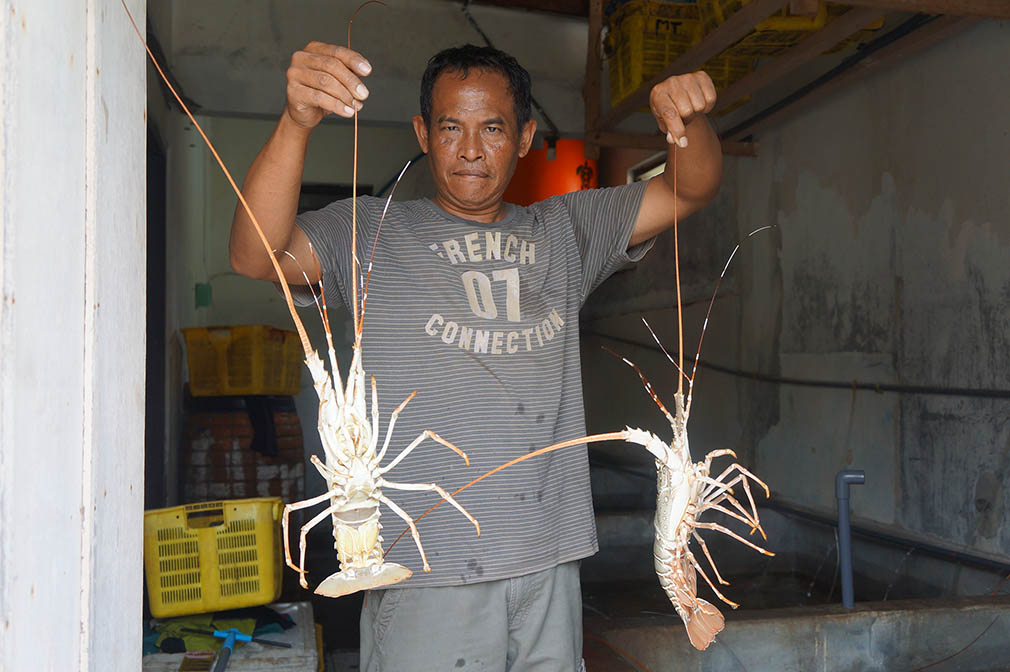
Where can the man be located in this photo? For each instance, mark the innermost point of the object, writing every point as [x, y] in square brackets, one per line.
[474, 303]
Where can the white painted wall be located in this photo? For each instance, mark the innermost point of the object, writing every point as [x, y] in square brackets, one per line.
[72, 244]
[231, 54]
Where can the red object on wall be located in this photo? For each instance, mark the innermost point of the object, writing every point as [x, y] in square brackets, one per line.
[536, 178]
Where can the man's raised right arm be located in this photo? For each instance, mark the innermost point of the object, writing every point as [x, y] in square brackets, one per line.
[322, 79]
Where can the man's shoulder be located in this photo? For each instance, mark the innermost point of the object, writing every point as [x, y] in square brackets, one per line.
[373, 207]
[583, 196]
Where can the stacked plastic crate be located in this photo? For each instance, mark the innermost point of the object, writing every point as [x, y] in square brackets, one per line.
[644, 36]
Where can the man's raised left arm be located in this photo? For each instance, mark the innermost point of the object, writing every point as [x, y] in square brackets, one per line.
[680, 105]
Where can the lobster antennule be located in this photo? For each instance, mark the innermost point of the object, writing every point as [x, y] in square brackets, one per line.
[324, 315]
[645, 382]
[308, 283]
[371, 258]
[668, 357]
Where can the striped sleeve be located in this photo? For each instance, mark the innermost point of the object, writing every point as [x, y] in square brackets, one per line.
[602, 221]
[329, 231]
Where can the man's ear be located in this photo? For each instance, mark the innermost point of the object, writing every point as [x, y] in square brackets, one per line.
[526, 137]
[421, 131]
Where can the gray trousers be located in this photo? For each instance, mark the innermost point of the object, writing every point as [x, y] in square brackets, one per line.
[530, 623]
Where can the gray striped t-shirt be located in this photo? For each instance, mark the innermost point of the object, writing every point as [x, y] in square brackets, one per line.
[482, 320]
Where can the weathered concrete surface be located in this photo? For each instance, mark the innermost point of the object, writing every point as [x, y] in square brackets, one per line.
[873, 637]
[892, 210]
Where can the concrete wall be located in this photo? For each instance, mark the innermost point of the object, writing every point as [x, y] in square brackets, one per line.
[892, 204]
[888, 264]
[72, 255]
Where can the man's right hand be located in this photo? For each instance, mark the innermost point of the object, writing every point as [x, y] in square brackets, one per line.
[324, 78]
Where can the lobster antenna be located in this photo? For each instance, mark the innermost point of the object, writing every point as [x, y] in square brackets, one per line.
[708, 313]
[354, 201]
[302, 335]
[611, 436]
[676, 264]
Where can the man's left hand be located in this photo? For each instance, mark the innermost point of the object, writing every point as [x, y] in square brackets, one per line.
[677, 101]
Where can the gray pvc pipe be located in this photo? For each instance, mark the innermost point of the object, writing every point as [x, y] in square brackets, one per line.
[843, 479]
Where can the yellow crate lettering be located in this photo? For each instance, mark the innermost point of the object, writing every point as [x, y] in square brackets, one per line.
[212, 556]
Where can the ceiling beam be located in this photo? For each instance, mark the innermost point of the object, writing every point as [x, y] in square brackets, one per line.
[658, 142]
[566, 7]
[985, 9]
[736, 26]
[921, 39]
[591, 91]
[809, 48]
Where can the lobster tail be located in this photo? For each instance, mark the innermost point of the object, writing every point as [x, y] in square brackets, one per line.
[705, 623]
[702, 619]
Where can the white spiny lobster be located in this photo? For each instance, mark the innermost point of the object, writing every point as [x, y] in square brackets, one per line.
[685, 490]
[353, 476]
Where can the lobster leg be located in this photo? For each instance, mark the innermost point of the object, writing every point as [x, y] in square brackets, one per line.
[714, 454]
[751, 516]
[326, 471]
[389, 430]
[410, 523]
[719, 528]
[426, 434]
[743, 519]
[710, 584]
[747, 491]
[704, 547]
[295, 506]
[321, 516]
[431, 486]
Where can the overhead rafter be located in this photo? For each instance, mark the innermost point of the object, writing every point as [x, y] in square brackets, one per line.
[735, 27]
[932, 33]
[985, 9]
[658, 142]
[811, 47]
[566, 7]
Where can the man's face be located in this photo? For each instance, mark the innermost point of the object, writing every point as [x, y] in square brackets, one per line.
[473, 142]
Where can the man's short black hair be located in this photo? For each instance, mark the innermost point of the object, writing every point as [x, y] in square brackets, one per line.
[462, 59]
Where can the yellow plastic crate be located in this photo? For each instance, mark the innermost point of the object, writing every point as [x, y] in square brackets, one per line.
[643, 36]
[239, 360]
[780, 31]
[212, 556]
[714, 13]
